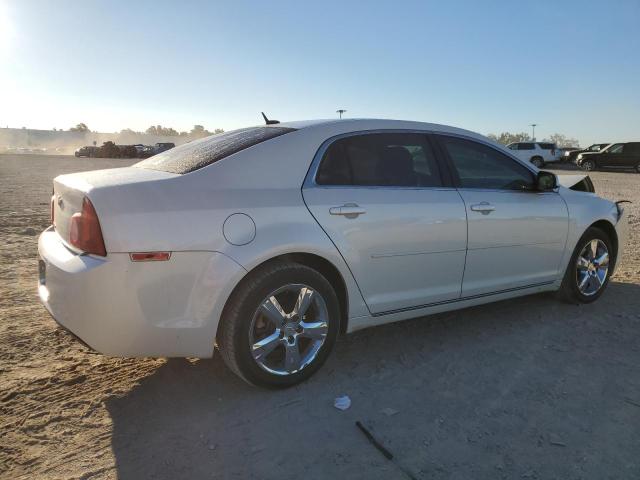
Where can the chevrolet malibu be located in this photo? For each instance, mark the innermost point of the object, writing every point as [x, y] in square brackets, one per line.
[269, 241]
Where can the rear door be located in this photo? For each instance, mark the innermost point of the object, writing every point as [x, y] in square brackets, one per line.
[402, 230]
[516, 236]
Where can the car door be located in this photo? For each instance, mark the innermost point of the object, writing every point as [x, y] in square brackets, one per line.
[402, 230]
[612, 156]
[516, 235]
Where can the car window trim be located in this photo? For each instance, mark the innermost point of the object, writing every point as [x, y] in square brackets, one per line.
[310, 178]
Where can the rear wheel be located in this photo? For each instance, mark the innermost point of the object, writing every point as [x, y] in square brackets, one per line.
[589, 269]
[280, 325]
[538, 162]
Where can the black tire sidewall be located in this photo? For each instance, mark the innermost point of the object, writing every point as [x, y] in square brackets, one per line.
[252, 298]
[570, 284]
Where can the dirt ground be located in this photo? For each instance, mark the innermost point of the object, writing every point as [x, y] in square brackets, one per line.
[527, 388]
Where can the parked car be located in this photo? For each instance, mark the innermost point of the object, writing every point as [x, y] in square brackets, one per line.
[538, 153]
[596, 147]
[616, 155]
[88, 151]
[162, 147]
[269, 241]
[565, 153]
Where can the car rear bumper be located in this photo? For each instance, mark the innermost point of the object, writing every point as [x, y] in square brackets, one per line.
[136, 309]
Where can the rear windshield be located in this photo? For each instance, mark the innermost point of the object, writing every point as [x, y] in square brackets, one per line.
[200, 153]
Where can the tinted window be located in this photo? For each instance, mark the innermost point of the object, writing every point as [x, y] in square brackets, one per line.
[632, 148]
[480, 166]
[617, 148]
[526, 146]
[380, 159]
[547, 146]
[200, 153]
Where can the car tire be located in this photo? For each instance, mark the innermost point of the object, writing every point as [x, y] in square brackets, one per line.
[571, 290]
[638, 168]
[538, 162]
[250, 319]
[588, 165]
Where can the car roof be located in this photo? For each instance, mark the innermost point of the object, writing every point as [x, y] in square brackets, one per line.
[337, 126]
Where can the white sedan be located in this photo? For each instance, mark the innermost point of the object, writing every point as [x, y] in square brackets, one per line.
[269, 241]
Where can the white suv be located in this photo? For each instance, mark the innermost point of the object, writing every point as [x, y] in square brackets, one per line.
[537, 153]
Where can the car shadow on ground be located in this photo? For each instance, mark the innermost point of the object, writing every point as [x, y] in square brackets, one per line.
[529, 387]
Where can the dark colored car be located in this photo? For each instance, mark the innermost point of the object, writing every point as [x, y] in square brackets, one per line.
[596, 147]
[87, 151]
[161, 147]
[618, 155]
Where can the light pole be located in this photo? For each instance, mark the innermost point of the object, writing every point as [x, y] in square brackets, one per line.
[533, 126]
[341, 111]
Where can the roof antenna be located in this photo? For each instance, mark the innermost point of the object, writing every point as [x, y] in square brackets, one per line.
[269, 122]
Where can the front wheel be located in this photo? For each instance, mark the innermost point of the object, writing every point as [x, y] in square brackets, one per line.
[538, 162]
[588, 165]
[280, 325]
[589, 269]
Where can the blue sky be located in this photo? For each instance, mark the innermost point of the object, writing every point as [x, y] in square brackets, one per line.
[572, 67]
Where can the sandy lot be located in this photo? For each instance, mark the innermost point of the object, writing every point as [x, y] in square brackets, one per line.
[528, 388]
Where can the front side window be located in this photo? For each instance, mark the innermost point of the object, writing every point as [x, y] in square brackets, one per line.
[480, 166]
[617, 148]
[380, 159]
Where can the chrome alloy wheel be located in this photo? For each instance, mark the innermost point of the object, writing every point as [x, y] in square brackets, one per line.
[288, 329]
[592, 267]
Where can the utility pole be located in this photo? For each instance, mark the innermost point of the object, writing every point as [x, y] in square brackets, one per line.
[533, 126]
[341, 111]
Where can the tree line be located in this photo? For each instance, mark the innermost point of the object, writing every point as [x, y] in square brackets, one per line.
[198, 131]
[560, 140]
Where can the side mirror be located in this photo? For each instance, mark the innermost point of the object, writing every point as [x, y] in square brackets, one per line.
[546, 181]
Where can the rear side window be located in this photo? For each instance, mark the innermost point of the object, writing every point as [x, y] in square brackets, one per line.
[547, 146]
[526, 146]
[380, 159]
[200, 153]
[633, 148]
[480, 166]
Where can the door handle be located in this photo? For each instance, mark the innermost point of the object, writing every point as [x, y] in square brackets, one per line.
[349, 210]
[483, 207]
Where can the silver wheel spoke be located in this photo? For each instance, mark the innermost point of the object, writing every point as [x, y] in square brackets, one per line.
[594, 249]
[265, 346]
[273, 311]
[603, 259]
[599, 279]
[583, 281]
[315, 330]
[305, 297]
[583, 263]
[292, 357]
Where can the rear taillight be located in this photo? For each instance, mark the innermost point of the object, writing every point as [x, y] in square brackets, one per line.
[85, 232]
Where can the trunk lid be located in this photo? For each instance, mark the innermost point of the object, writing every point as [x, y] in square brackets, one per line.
[70, 190]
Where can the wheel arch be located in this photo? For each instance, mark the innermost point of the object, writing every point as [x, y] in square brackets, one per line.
[608, 228]
[323, 266]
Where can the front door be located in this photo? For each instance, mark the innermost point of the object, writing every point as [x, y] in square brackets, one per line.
[517, 235]
[403, 233]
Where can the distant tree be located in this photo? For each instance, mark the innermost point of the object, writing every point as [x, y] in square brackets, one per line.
[218, 130]
[81, 127]
[162, 131]
[128, 131]
[506, 138]
[198, 131]
[562, 141]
